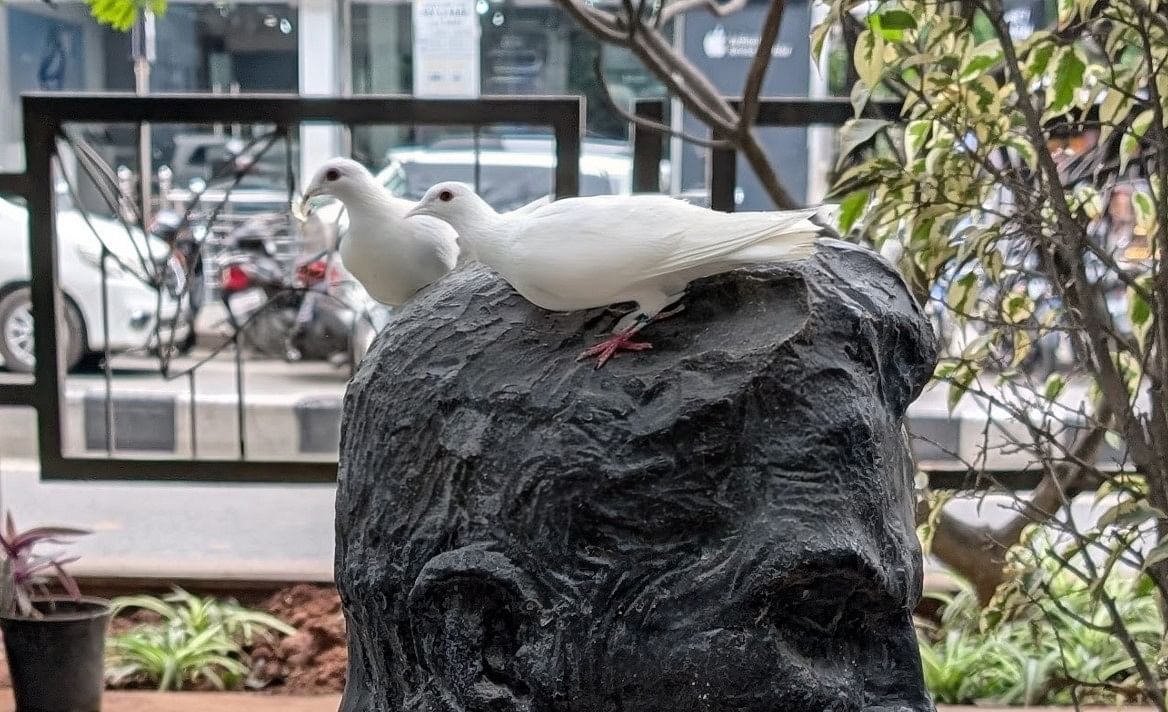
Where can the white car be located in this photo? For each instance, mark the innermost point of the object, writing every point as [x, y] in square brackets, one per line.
[135, 306]
[508, 179]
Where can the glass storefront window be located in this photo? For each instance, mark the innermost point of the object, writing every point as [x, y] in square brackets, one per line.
[530, 48]
[201, 46]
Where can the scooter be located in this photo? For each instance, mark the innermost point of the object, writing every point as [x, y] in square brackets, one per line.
[294, 319]
[187, 252]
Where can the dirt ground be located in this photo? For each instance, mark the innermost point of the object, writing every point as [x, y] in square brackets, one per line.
[311, 661]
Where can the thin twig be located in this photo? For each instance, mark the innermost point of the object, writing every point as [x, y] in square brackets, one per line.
[649, 123]
[758, 67]
[678, 7]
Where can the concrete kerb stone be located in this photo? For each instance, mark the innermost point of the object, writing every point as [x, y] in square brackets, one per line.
[276, 427]
[282, 426]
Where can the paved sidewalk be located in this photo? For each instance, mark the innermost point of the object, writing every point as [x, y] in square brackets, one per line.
[257, 702]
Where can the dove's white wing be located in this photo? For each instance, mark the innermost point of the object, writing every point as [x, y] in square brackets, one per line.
[588, 246]
[585, 252]
[537, 203]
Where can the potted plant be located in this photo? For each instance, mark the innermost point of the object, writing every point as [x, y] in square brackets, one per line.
[55, 642]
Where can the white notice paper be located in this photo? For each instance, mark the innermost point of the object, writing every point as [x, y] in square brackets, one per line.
[446, 49]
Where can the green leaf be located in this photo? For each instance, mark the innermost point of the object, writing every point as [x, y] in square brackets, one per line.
[859, 97]
[891, 24]
[959, 383]
[1038, 61]
[1129, 147]
[1023, 343]
[1026, 151]
[982, 58]
[1068, 78]
[1066, 12]
[1128, 513]
[1017, 308]
[963, 294]
[1145, 211]
[1156, 555]
[1054, 386]
[897, 20]
[915, 136]
[856, 132]
[122, 14]
[851, 207]
[1114, 107]
[979, 348]
[1089, 199]
[818, 37]
[869, 58]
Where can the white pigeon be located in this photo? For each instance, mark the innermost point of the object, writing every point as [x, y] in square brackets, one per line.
[582, 253]
[390, 256]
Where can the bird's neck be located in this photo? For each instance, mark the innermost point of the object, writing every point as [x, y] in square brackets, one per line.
[366, 192]
[482, 230]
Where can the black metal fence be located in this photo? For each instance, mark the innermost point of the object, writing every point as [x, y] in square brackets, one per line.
[45, 117]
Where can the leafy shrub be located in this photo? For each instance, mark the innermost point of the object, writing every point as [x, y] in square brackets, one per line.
[198, 640]
[24, 574]
[1046, 638]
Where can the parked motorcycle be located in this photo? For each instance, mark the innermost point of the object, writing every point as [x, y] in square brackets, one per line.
[187, 253]
[293, 319]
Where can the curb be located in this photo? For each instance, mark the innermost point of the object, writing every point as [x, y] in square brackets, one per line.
[278, 427]
[159, 424]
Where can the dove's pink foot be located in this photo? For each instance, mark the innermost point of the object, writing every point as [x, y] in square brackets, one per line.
[623, 341]
[617, 342]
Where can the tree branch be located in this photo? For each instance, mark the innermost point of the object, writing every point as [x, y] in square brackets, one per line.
[758, 67]
[649, 123]
[976, 551]
[678, 7]
[684, 81]
[602, 24]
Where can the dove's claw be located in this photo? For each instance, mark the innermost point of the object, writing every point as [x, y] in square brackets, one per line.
[618, 342]
[672, 312]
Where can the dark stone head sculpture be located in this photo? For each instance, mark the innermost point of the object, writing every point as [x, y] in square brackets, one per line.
[721, 524]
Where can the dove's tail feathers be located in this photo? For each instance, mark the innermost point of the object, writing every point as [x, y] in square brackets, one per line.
[789, 245]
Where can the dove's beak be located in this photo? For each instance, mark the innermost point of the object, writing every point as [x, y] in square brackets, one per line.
[302, 207]
[418, 209]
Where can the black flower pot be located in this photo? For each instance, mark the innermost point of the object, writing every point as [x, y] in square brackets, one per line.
[57, 661]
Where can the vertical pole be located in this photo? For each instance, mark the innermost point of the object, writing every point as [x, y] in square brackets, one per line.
[648, 148]
[40, 134]
[106, 366]
[143, 55]
[723, 179]
[568, 153]
[191, 413]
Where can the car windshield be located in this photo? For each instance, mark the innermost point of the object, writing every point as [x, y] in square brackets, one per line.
[504, 187]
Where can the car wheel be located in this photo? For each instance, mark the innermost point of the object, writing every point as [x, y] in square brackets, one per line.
[16, 333]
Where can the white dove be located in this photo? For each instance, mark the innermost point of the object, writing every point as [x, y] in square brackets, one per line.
[390, 256]
[582, 253]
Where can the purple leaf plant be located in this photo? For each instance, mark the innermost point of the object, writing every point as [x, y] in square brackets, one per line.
[25, 575]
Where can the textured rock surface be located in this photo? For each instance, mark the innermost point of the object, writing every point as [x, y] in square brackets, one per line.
[723, 523]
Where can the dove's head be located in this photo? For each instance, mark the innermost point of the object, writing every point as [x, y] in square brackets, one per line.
[454, 203]
[340, 178]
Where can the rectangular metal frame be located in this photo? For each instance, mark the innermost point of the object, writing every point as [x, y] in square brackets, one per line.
[45, 115]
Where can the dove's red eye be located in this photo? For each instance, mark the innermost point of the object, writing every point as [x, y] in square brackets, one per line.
[446, 196]
[332, 174]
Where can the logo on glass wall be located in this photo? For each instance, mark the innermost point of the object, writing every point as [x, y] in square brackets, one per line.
[714, 44]
[718, 44]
